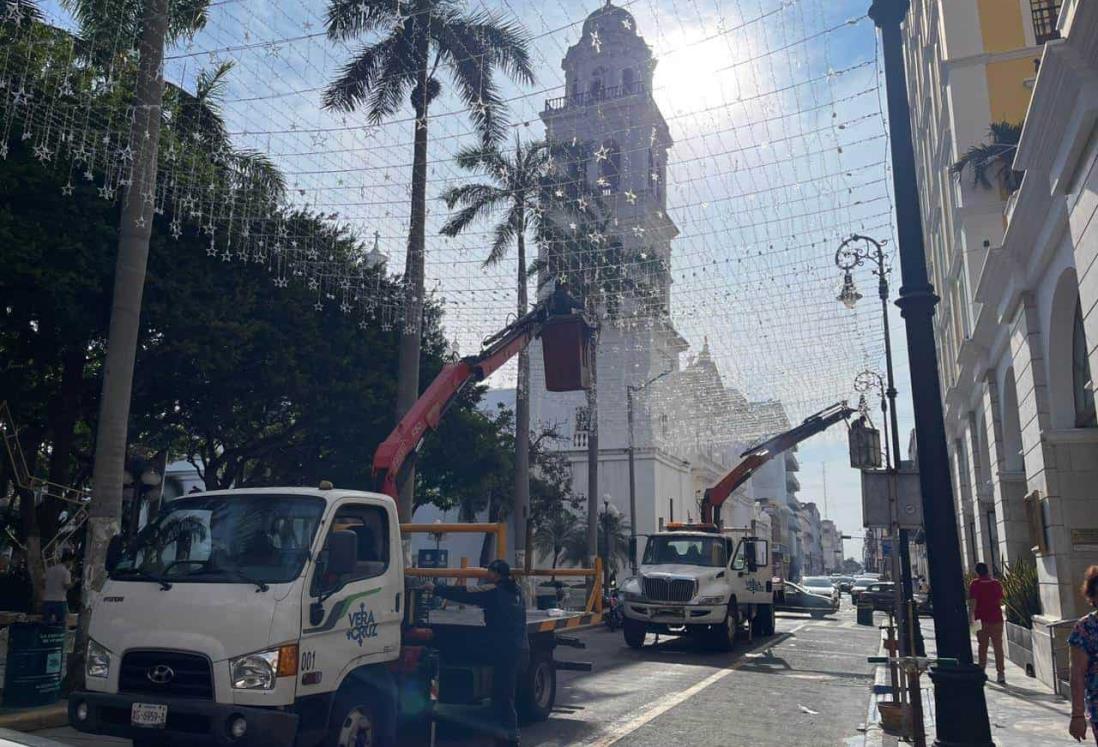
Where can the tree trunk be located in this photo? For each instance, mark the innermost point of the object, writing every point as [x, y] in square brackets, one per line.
[129, 284]
[521, 510]
[408, 367]
[63, 415]
[31, 444]
[593, 457]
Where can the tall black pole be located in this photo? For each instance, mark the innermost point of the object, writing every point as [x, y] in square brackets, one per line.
[961, 710]
[632, 485]
[912, 641]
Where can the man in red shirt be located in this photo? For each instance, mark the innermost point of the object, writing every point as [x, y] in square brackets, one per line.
[987, 597]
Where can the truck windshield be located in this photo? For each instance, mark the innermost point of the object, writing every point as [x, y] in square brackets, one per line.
[708, 551]
[250, 538]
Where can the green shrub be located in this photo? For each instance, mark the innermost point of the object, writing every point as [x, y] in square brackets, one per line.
[1021, 593]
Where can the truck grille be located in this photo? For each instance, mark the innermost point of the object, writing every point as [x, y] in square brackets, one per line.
[669, 590]
[189, 674]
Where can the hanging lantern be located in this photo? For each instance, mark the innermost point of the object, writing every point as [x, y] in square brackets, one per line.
[849, 295]
[865, 445]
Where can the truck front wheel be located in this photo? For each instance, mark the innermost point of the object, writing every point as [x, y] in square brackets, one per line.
[538, 690]
[635, 631]
[724, 635]
[764, 620]
[353, 724]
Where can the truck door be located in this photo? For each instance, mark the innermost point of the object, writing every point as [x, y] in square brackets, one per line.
[752, 563]
[353, 619]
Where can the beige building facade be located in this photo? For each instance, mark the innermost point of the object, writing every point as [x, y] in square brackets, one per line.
[1015, 268]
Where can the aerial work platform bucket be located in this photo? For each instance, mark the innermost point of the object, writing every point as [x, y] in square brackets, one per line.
[566, 352]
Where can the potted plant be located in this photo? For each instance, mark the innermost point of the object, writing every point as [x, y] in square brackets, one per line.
[1022, 600]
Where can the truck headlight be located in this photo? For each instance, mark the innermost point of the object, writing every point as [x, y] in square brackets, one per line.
[711, 600]
[98, 662]
[631, 590]
[260, 670]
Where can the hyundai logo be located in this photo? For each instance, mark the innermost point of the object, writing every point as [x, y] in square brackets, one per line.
[161, 674]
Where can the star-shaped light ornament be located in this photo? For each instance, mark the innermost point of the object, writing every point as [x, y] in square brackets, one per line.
[177, 229]
[582, 203]
[602, 153]
[106, 192]
[638, 230]
[42, 152]
[140, 221]
[631, 197]
[318, 306]
[67, 190]
[627, 24]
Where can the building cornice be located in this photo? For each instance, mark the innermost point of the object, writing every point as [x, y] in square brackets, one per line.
[986, 58]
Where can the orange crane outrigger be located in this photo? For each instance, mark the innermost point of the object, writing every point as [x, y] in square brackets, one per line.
[761, 453]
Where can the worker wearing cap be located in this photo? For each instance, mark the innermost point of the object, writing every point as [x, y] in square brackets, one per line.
[505, 618]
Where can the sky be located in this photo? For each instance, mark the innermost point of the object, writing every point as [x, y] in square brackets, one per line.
[776, 110]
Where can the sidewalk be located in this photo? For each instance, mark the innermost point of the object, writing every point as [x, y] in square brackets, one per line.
[1023, 713]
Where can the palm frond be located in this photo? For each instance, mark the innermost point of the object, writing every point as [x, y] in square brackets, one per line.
[994, 159]
[347, 19]
[502, 237]
[378, 76]
[477, 200]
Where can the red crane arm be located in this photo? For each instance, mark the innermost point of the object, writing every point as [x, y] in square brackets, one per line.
[392, 456]
[762, 453]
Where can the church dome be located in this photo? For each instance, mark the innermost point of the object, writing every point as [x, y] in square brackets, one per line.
[609, 18]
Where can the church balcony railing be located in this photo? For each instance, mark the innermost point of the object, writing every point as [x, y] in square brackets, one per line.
[596, 96]
[579, 439]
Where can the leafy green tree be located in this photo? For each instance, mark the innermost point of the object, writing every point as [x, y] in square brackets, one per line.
[994, 160]
[417, 38]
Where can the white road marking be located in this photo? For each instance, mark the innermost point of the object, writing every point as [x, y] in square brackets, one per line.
[658, 707]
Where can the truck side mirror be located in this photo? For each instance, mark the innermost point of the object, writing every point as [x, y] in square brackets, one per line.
[750, 555]
[632, 548]
[114, 553]
[342, 552]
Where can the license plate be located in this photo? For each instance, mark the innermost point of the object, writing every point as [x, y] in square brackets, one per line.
[149, 715]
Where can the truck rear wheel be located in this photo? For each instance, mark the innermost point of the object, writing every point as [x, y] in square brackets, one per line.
[764, 620]
[538, 691]
[635, 631]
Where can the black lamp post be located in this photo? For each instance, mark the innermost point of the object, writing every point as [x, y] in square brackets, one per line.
[961, 709]
[854, 252]
[629, 391]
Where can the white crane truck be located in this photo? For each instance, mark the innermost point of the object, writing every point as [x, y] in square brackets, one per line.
[281, 616]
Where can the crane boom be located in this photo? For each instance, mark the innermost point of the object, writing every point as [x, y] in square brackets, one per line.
[762, 453]
[558, 312]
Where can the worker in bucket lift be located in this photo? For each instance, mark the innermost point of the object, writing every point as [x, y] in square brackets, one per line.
[505, 618]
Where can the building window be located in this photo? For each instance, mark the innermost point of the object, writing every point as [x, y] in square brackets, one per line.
[1083, 385]
[1045, 13]
[627, 80]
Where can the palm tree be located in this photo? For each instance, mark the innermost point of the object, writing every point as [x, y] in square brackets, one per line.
[617, 556]
[417, 37]
[558, 531]
[995, 159]
[512, 189]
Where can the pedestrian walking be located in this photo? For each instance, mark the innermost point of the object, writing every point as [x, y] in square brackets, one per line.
[987, 602]
[505, 619]
[55, 606]
[1083, 643]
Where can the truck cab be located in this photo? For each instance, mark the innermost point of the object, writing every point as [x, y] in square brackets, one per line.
[265, 616]
[713, 584]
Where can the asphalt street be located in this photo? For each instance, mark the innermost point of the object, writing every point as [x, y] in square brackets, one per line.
[807, 685]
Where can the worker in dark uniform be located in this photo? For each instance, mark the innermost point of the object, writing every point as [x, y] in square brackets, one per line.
[505, 618]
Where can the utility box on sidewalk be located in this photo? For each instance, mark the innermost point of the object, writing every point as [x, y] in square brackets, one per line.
[34, 665]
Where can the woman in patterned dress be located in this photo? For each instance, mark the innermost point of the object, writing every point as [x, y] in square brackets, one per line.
[1084, 664]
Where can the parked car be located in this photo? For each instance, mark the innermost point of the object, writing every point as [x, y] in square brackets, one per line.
[881, 594]
[821, 585]
[795, 598]
[861, 583]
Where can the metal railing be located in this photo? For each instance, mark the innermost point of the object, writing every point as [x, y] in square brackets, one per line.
[599, 95]
[1045, 14]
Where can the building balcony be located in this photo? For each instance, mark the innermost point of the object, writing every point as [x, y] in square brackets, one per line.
[597, 96]
[579, 439]
[1045, 14]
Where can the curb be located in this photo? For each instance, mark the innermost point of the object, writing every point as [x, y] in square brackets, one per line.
[32, 719]
[875, 735]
